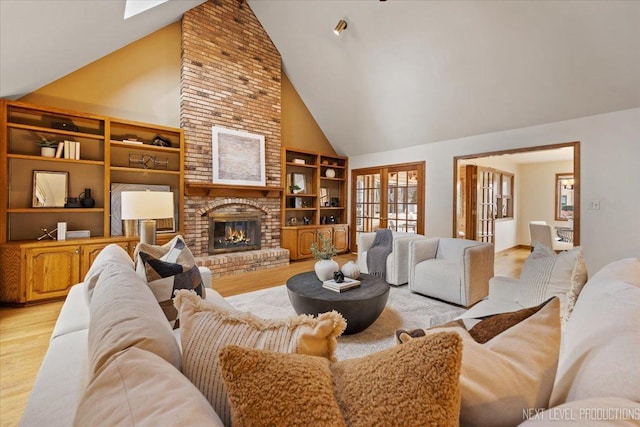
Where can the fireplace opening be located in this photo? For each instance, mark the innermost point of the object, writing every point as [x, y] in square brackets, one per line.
[233, 232]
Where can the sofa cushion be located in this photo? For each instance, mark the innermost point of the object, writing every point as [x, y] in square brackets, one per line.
[164, 278]
[110, 254]
[601, 343]
[207, 327]
[411, 385]
[63, 377]
[74, 314]
[124, 394]
[511, 372]
[124, 313]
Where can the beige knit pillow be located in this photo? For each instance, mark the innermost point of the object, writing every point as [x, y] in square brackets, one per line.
[415, 384]
[207, 328]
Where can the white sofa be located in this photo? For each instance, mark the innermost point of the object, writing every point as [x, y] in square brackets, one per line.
[397, 272]
[64, 374]
[598, 366]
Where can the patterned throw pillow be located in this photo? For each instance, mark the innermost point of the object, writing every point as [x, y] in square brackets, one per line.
[415, 384]
[175, 250]
[164, 278]
[207, 328]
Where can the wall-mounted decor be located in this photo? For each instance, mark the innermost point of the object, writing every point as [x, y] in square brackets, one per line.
[164, 225]
[238, 157]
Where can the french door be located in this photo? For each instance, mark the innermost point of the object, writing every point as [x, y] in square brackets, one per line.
[387, 197]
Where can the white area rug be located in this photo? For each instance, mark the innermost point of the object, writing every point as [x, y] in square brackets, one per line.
[404, 310]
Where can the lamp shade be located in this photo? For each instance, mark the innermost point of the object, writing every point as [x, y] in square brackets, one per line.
[146, 204]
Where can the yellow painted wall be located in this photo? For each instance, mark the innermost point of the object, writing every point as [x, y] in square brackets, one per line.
[140, 81]
[299, 128]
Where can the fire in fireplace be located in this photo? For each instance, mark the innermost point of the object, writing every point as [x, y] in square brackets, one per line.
[233, 232]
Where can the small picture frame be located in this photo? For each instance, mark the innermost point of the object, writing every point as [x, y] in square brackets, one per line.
[298, 183]
[324, 196]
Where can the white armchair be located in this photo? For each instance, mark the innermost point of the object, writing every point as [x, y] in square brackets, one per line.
[398, 260]
[453, 270]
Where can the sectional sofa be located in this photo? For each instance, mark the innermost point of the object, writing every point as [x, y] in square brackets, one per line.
[118, 318]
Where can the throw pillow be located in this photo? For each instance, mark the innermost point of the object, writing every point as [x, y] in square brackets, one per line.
[511, 372]
[122, 394]
[411, 385]
[164, 278]
[175, 250]
[545, 275]
[207, 328]
[484, 330]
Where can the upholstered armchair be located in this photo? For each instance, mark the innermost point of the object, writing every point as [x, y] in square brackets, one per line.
[453, 270]
[397, 272]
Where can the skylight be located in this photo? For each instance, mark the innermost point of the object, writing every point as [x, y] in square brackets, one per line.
[134, 7]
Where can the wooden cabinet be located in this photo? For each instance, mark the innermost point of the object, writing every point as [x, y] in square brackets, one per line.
[341, 237]
[108, 152]
[51, 271]
[299, 239]
[314, 202]
[36, 271]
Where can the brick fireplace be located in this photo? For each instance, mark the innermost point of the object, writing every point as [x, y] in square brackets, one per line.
[230, 78]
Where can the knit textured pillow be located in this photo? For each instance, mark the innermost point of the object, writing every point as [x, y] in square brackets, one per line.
[206, 328]
[415, 384]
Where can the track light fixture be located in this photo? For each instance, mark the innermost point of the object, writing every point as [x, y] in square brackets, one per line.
[342, 24]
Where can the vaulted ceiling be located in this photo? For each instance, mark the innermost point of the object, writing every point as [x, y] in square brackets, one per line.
[402, 73]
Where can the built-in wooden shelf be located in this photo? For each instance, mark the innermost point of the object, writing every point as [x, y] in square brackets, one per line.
[222, 190]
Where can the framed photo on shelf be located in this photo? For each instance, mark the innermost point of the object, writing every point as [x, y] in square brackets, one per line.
[324, 196]
[238, 157]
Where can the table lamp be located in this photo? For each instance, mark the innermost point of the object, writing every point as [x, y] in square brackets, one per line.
[147, 206]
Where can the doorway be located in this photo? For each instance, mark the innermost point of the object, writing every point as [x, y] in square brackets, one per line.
[495, 205]
[388, 197]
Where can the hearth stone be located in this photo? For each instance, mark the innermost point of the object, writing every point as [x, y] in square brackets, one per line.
[242, 262]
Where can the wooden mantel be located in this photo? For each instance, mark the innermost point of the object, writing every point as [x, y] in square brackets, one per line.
[222, 190]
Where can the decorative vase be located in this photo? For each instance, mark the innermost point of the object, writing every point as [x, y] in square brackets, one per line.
[351, 270]
[48, 151]
[325, 269]
[86, 200]
[330, 173]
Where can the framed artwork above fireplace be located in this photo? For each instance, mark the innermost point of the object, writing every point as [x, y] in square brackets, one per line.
[238, 157]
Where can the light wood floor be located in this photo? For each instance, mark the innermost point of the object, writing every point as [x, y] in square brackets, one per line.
[25, 331]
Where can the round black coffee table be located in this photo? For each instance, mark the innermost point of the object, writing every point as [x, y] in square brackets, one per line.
[360, 306]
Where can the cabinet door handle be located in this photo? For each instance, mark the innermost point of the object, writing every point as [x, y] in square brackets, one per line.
[77, 251]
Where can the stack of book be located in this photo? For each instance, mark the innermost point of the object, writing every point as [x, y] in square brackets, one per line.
[332, 285]
[68, 150]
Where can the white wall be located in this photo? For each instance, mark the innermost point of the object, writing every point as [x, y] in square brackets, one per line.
[610, 173]
[537, 189]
